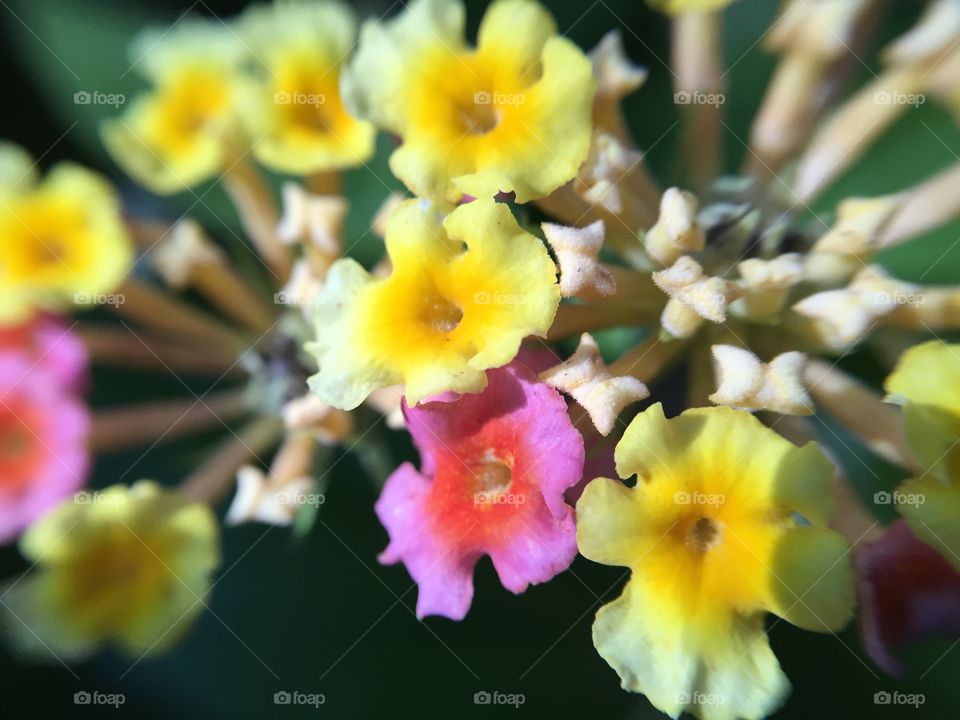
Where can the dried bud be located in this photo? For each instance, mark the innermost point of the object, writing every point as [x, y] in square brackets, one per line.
[182, 251]
[693, 297]
[766, 284]
[310, 414]
[577, 250]
[317, 218]
[586, 378]
[744, 381]
[677, 231]
[842, 317]
[858, 227]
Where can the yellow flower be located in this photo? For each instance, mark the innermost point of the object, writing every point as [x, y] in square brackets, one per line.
[511, 115]
[464, 291]
[295, 113]
[59, 238]
[123, 566]
[727, 521]
[183, 130]
[675, 7]
[926, 382]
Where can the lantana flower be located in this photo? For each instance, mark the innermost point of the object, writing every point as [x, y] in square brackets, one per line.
[512, 115]
[50, 347]
[494, 469]
[727, 521]
[926, 382]
[60, 237]
[464, 292]
[128, 566]
[295, 113]
[184, 129]
[43, 441]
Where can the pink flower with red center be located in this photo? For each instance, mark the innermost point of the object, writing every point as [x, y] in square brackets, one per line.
[43, 425]
[494, 469]
[49, 345]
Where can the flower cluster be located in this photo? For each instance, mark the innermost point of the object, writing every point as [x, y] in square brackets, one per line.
[463, 335]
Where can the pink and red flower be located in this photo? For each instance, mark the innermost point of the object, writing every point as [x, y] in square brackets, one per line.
[43, 422]
[494, 469]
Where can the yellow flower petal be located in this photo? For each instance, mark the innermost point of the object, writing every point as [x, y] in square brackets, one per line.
[130, 566]
[926, 381]
[727, 521]
[17, 169]
[294, 112]
[445, 314]
[512, 116]
[675, 7]
[61, 238]
[180, 132]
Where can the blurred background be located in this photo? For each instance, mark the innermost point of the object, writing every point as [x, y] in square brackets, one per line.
[317, 614]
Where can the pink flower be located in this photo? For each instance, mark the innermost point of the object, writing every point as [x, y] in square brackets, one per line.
[50, 347]
[908, 592]
[494, 469]
[43, 425]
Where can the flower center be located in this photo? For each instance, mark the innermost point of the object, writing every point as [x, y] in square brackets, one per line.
[491, 476]
[481, 115]
[703, 534]
[442, 315]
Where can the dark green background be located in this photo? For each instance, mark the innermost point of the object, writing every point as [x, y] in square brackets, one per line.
[319, 615]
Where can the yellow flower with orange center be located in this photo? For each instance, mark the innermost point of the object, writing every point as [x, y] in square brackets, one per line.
[511, 115]
[294, 113]
[128, 566]
[926, 382]
[60, 238]
[727, 521]
[464, 291]
[183, 130]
